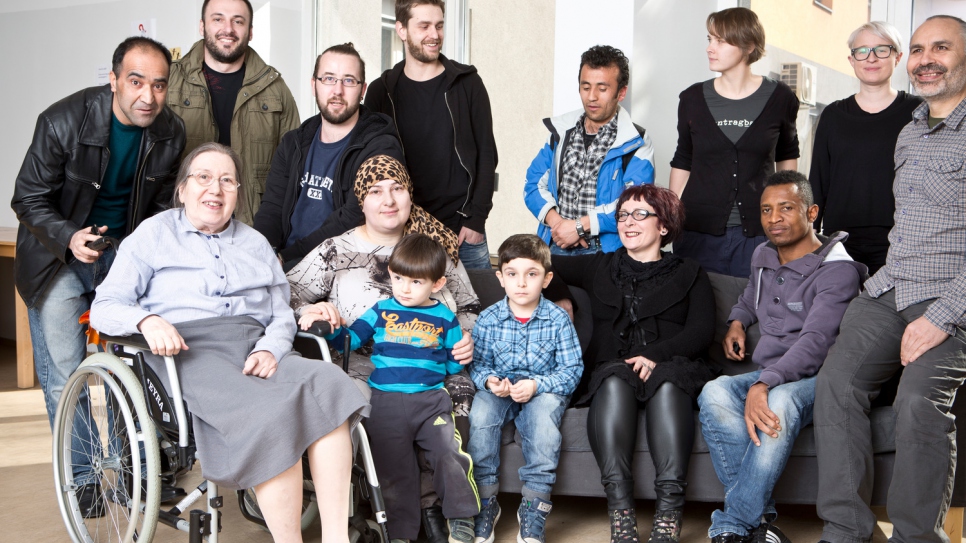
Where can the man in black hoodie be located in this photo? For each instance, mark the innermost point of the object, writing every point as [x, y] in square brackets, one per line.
[442, 112]
[308, 193]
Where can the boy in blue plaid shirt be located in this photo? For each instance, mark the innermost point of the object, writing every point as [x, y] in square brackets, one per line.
[526, 364]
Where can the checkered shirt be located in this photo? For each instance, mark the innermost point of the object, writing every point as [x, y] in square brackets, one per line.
[544, 349]
[577, 195]
[927, 253]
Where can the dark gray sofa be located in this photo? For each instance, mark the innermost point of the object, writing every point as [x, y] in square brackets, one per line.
[578, 475]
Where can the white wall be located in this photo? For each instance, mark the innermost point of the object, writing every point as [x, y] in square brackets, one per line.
[53, 47]
[577, 28]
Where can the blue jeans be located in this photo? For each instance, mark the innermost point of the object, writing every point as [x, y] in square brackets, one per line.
[727, 254]
[593, 247]
[475, 256]
[59, 341]
[749, 473]
[539, 424]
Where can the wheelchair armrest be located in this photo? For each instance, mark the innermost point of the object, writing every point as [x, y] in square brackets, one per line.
[313, 344]
[319, 329]
[136, 341]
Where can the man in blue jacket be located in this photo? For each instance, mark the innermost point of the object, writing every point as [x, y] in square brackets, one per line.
[799, 289]
[590, 157]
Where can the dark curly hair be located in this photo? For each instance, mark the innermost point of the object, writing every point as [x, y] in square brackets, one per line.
[792, 177]
[605, 56]
[667, 206]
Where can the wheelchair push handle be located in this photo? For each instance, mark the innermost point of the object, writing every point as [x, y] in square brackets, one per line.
[320, 328]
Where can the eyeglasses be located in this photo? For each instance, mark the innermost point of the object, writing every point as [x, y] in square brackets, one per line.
[205, 179]
[331, 80]
[881, 51]
[638, 214]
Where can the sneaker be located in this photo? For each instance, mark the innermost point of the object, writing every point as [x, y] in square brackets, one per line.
[90, 501]
[769, 533]
[486, 520]
[667, 526]
[729, 537]
[461, 530]
[532, 516]
[623, 526]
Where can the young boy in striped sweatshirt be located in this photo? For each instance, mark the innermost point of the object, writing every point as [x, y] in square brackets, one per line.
[413, 338]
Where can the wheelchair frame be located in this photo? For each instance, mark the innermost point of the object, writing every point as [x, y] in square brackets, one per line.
[127, 380]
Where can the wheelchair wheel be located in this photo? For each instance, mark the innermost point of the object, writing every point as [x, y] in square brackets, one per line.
[103, 427]
[310, 506]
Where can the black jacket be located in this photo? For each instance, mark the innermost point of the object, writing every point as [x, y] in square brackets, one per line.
[374, 135]
[62, 173]
[723, 172]
[469, 108]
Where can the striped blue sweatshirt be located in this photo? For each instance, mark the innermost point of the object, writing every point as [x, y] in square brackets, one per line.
[412, 347]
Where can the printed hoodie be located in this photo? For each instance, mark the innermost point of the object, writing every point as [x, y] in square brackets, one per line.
[798, 307]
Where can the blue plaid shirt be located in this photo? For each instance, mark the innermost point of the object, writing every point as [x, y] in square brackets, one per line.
[544, 349]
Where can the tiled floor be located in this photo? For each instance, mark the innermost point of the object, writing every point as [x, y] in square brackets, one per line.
[28, 506]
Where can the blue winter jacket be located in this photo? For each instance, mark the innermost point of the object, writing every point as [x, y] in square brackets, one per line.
[540, 191]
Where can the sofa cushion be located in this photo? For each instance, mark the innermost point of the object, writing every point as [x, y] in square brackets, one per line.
[574, 433]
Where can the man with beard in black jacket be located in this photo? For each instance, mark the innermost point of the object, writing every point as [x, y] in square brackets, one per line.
[308, 193]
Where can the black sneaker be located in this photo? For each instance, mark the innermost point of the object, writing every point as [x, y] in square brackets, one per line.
[667, 526]
[90, 501]
[623, 526]
[767, 532]
[729, 537]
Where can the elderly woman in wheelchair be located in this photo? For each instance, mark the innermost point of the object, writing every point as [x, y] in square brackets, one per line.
[198, 284]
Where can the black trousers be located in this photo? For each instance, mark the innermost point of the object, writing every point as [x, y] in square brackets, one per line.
[612, 430]
[397, 425]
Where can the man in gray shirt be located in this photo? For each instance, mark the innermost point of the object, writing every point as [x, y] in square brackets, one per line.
[912, 314]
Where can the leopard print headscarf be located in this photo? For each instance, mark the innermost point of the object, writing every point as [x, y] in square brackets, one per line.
[382, 167]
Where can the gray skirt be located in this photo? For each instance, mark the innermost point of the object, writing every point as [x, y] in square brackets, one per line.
[248, 429]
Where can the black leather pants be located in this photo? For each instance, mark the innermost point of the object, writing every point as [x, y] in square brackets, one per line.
[612, 430]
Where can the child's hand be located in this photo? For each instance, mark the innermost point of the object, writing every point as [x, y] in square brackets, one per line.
[321, 311]
[499, 387]
[523, 390]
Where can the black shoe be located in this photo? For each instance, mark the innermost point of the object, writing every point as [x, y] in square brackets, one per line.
[769, 533]
[434, 525]
[667, 526]
[729, 537]
[90, 502]
[171, 493]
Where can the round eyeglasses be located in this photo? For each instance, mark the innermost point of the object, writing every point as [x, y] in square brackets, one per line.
[881, 51]
[638, 214]
[205, 179]
[332, 80]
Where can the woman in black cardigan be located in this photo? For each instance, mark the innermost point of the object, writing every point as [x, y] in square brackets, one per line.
[733, 131]
[653, 320]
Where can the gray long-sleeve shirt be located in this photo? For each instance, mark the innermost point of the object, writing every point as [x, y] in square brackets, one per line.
[168, 268]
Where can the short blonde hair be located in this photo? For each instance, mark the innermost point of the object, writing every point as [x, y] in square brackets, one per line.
[880, 29]
[739, 27]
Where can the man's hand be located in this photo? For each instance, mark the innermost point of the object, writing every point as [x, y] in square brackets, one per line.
[523, 390]
[469, 236]
[642, 366]
[260, 364]
[78, 245]
[463, 350]
[758, 415]
[920, 336]
[161, 336]
[567, 306]
[499, 387]
[736, 334]
[563, 231]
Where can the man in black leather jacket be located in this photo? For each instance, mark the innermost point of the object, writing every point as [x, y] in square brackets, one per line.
[104, 156]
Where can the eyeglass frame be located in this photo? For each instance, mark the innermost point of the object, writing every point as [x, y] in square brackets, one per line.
[321, 79]
[892, 48]
[647, 214]
[234, 184]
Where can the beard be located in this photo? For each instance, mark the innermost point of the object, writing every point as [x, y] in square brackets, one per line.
[346, 114]
[219, 54]
[416, 51]
[951, 84]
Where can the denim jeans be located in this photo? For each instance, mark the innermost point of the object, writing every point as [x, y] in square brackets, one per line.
[749, 473]
[593, 247]
[539, 424]
[475, 256]
[727, 254]
[59, 341]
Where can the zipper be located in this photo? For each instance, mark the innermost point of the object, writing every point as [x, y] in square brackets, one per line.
[469, 189]
[137, 186]
[97, 185]
[396, 123]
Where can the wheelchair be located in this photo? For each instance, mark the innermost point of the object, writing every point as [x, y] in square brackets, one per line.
[115, 415]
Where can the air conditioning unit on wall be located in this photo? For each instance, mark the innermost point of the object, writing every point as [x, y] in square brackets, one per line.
[801, 78]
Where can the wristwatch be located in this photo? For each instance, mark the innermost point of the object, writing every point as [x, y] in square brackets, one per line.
[580, 228]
